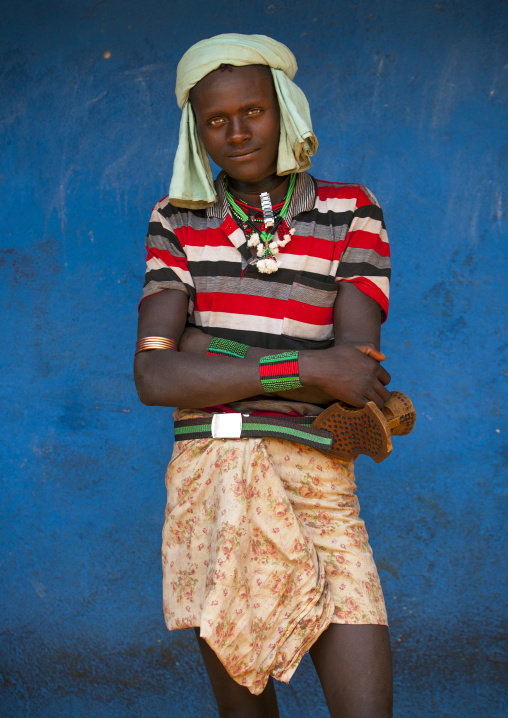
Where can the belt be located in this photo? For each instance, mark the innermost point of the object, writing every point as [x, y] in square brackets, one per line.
[241, 426]
[340, 431]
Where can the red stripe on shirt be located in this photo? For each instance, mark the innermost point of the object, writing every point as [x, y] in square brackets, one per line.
[309, 313]
[363, 199]
[320, 248]
[169, 259]
[333, 192]
[203, 237]
[241, 304]
[361, 239]
[271, 308]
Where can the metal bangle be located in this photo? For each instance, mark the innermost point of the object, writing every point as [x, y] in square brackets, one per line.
[147, 343]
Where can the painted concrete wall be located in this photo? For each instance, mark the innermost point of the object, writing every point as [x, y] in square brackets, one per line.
[408, 98]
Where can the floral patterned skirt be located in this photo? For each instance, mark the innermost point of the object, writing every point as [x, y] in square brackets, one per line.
[262, 549]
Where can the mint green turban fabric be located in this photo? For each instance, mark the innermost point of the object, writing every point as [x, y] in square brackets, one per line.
[192, 180]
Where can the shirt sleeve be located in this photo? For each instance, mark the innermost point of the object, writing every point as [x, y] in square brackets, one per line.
[365, 259]
[166, 261]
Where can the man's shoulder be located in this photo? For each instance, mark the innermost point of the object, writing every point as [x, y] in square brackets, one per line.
[353, 191]
[165, 207]
[161, 203]
[179, 216]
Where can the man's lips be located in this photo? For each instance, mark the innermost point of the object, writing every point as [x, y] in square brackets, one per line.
[240, 155]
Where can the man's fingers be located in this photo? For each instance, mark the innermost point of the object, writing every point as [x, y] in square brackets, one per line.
[379, 394]
[371, 352]
[357, 400]
[383, 376]
[383, 392]
[375, 397]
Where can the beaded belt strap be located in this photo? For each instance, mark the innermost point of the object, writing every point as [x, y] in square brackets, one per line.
[241, 426]
[340, 431]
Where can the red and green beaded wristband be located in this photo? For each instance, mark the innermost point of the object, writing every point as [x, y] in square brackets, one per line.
[279, 372]
[227, 348]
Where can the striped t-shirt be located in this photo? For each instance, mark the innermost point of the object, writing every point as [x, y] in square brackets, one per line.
[339, 236]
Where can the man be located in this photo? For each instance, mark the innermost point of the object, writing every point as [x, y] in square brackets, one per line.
[274, 287]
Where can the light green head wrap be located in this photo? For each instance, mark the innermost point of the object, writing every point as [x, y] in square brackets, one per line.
[192, 181]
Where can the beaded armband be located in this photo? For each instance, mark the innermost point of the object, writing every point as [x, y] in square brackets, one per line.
[279, 372]
[227, 348]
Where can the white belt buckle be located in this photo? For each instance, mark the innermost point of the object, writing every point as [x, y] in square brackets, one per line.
[227, 426]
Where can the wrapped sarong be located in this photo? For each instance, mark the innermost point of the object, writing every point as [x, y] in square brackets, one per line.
[262, 549]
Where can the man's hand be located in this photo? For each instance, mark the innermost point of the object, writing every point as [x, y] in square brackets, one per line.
[348, 372]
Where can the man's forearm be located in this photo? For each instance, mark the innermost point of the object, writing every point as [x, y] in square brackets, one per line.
[196, 341]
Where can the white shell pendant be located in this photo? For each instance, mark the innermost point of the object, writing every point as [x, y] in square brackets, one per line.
[267, 251]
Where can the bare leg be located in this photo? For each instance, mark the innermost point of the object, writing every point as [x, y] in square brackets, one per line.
[354, 665]
[234, 700]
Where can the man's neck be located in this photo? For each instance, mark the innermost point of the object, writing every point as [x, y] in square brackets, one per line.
[249, 192]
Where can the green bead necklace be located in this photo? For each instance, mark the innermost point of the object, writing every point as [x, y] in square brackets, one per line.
[266, 241]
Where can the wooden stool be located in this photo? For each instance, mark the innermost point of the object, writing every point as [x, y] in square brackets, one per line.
[369, 430]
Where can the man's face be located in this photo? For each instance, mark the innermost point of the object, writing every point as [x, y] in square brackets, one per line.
[238, 120]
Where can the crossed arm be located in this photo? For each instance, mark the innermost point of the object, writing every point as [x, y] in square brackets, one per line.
[350, 370]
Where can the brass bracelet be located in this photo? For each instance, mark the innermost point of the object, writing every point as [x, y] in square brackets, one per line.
[146, 343]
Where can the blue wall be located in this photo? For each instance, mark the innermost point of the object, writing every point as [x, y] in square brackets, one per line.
[408, 98]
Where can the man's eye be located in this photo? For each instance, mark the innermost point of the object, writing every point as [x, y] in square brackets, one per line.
[216, 121]
[255, 111]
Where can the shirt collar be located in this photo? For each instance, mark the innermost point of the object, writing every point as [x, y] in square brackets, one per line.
[304, 196]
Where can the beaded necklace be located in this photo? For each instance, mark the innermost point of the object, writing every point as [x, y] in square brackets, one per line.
[263, 238]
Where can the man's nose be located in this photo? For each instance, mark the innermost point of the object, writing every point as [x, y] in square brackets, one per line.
[238, 130]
